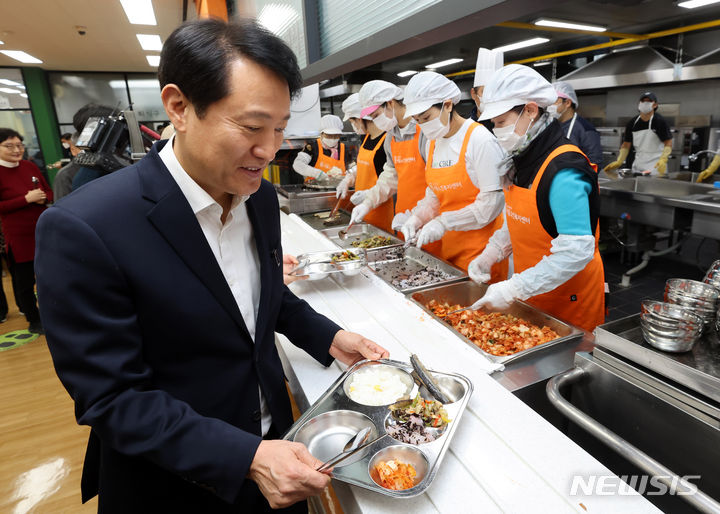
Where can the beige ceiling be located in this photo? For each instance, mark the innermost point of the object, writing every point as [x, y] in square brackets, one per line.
[46, 29]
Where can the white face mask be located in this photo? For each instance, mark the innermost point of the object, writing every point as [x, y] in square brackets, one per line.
[645, 107]
[552, 110]
[66, 145]
[384, 123]
[329, 143]
[480, 106]
[434, 128]
[358, 130]
[507, 138]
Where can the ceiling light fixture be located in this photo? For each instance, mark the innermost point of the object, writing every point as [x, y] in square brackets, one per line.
[446, 62]
[522, 44]
[9, 82]
[277, 18]
[2, 42]
[153, 60]
[23, 95]
[139, 12]
[544, 22]
[21, 56]
[406, 73]
[541, 63]
[8, 90]
[692, 4]
[150, 42]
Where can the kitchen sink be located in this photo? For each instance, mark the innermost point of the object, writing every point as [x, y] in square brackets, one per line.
[658, 187]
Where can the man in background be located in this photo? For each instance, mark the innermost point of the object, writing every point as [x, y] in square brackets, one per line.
[577, 129]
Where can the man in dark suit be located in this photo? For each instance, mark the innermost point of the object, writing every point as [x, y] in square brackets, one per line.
[161, 287]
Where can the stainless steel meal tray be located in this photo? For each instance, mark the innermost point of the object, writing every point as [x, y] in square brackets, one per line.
[316, 222]
[314, 264]
[358, 472]
[410, 261]
[358, 232]
[697, 369]
[467, 293]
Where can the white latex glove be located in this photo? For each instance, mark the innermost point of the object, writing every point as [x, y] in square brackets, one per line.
[358, 197]
[359, 212]
[343, 187]
[498, 297]
[431, 232]
[400, 219]
[322, 177]
[479, 269]
[410, 227]
[335, 172]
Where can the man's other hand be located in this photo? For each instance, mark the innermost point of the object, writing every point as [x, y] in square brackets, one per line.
[349, 348]
[285, 473]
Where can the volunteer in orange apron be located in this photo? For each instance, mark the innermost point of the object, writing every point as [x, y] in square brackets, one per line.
[351, 110]
[371, 160]
[324, 158]
[404, 171]
[551, 203]
[463, 202]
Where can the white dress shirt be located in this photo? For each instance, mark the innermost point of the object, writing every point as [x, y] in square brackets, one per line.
[232, 243]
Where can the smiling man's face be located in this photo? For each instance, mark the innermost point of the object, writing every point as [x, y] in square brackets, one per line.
[227, 149]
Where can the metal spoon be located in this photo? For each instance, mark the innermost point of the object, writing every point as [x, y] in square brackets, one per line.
[354, 444]
[342, 234]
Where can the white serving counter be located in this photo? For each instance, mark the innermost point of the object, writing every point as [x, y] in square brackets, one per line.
[504, 457]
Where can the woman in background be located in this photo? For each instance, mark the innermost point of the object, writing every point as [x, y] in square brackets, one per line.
[23, 195]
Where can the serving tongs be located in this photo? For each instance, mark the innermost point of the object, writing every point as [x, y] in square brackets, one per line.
[356, 443]
[421, 373]
[456, 311]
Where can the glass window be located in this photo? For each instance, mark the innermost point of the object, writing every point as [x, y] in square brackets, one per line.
[339, 21]
[145, 96]
[15, 112]
[285, 19]
[71, 91]
[12, 89]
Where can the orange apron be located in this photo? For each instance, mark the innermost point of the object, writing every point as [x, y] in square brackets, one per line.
[366, 178]
[580, 300]
[455, 190]
[326, 163]
[411, 186]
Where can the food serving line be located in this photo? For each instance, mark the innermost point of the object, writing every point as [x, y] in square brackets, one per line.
[503, 457]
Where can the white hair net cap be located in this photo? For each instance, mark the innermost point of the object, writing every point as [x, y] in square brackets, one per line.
[488, 62]
[565, 90]
[426, 89]
[351, 107]
[513, 85]
[331, 124]
[377, 92]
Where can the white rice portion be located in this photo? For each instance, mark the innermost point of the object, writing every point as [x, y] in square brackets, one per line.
[376, 385]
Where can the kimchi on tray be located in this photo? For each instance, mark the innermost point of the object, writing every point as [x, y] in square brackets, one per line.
[495, 333]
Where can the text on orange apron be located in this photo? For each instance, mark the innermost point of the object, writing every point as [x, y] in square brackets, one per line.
[580, 300]
[455, 190]
[326, 163]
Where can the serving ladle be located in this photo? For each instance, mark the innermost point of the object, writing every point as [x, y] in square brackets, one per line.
[342, 234]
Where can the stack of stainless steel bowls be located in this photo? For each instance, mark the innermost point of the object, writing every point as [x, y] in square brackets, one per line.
[701, 298]
[670, 327]
[712, 276]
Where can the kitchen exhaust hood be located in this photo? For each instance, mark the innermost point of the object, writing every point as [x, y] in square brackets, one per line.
[637, 65]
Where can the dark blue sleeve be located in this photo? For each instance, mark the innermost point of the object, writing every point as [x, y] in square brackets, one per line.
[96, 344]
[83, 176]
[591, 143]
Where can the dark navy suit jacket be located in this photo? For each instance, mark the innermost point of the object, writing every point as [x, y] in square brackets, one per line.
[148, 340]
